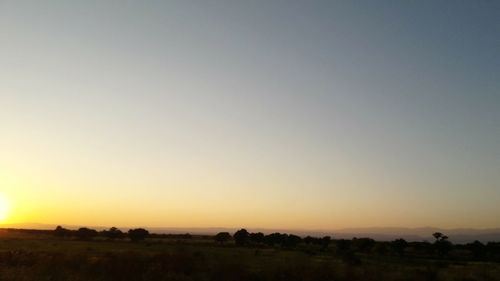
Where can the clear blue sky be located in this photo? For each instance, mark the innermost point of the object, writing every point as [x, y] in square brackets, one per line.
[297, 114]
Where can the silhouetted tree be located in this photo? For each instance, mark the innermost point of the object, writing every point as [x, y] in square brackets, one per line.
[241, 237]
[257, 237]
[364, 244]
[222, 237]
[138, 234]
[275, 239]
[309, 240]
[290, 241]
[325, 241]
[477, 248]
[113, 233]
[399, 246]
[86, 233]
[62, 232]
[442, 245]
[439, 236]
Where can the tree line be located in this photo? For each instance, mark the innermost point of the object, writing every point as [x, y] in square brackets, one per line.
[134, 235]
[84, 233]
[441, 247]
[244, 238]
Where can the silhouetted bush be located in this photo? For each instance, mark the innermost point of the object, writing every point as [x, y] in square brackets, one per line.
[113, 233]
[62, 232]
[86, 233]
[363, 244]
[290, 241]
[222, 237]
[241, 237]
[399, 246]
[308, 240]
[138, 234]
[257, 237]
[324, 242]
[275, 239]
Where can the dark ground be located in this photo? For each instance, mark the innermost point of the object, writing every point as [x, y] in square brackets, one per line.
[41, 256]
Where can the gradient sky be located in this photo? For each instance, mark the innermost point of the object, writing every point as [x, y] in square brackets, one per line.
[281, 114]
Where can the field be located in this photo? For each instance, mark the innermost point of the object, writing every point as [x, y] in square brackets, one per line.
[42, 256]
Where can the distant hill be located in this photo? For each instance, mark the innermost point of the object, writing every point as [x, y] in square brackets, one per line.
[458, 235]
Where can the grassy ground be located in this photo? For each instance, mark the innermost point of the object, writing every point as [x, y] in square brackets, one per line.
[44, 257]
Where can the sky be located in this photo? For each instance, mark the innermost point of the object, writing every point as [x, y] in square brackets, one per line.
[277, 114]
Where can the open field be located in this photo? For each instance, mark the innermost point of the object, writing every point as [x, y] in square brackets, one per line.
[258, 140]
[41, 256]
